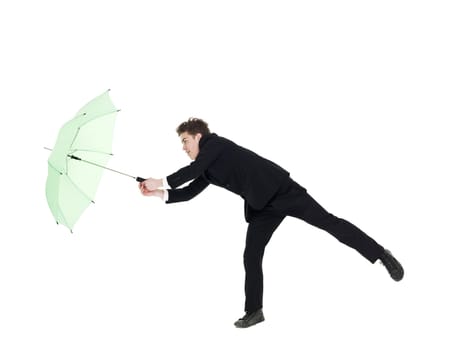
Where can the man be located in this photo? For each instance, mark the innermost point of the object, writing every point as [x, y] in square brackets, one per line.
[269, 194]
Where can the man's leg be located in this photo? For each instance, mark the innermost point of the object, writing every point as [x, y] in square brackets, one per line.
[295, 201]
[347, 233]
[259, 233]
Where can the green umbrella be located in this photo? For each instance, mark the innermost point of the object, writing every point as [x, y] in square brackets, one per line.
[83, 147]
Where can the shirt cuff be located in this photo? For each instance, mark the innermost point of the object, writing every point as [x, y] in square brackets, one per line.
[166, 195]
[165, 184]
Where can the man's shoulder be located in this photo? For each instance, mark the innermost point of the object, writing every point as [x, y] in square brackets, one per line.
[215, 139]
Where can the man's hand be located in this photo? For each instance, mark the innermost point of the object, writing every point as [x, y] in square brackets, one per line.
[157, 193]
[151, 184]
[150, 187]
[145, 192]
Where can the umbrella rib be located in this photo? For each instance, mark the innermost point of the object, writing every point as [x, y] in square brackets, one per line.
[58, 207]
[54, 168]
[74, 137]
[88, 121]
[99, 116]
[90, 150]
[64, 219]
[72, 182]
[80, 190]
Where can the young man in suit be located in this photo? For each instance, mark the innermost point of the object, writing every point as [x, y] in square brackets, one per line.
[269, 194]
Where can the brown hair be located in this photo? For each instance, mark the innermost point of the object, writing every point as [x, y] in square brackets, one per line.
[194, 126]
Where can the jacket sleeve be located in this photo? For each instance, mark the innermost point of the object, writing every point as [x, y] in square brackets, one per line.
[188, 192]
[207, 155]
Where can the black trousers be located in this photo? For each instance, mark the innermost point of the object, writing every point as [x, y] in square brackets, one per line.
[293, 200]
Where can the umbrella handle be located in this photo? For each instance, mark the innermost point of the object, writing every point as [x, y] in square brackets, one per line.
[140, 179]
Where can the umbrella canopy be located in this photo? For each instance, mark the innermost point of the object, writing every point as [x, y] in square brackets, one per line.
[72, 183]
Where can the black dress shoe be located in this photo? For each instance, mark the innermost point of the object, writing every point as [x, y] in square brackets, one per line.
[250, 319]
[393, 266]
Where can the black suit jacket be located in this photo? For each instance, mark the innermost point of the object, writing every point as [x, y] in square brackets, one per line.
[223, 163]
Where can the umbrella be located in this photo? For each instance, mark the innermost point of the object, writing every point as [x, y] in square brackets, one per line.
[77, 161]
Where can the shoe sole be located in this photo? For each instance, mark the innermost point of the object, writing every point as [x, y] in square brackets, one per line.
[239, 324]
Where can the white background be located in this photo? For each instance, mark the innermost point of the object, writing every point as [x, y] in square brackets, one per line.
[362, 101]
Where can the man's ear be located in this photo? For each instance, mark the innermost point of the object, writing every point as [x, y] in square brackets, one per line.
[198, 136]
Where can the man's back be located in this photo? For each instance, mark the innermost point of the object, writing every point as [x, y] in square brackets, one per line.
[224, 163]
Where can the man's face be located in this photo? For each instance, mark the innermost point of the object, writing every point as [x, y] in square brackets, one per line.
[190, 144]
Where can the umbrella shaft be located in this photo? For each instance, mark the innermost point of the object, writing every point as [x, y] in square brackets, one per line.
[137, 178]
[100, 166]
